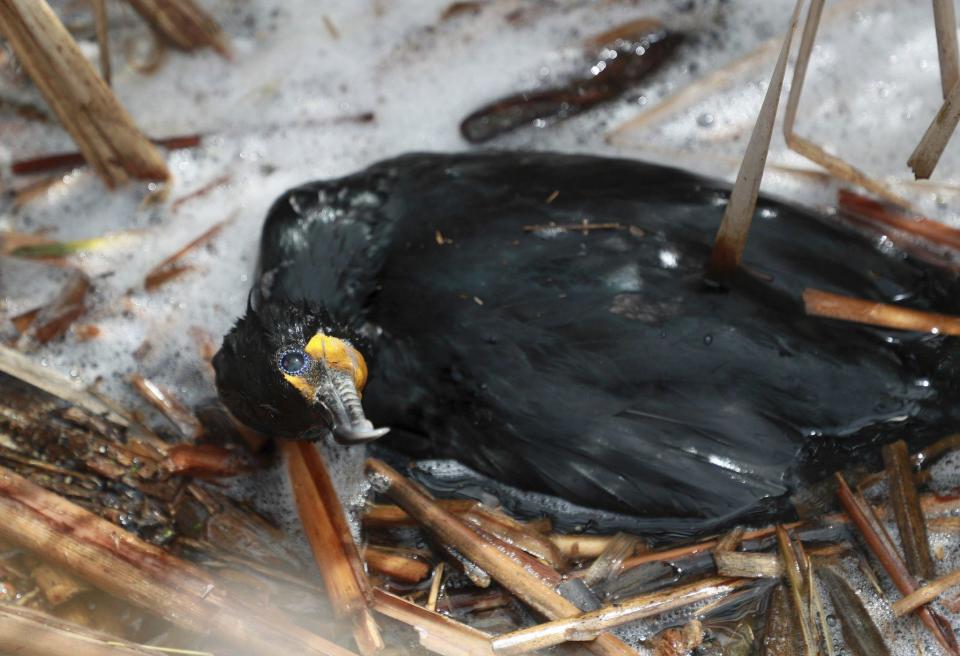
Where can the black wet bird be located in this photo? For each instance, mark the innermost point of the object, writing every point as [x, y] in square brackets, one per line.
[594, 365]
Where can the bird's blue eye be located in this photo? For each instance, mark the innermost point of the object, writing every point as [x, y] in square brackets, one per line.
[293, 362]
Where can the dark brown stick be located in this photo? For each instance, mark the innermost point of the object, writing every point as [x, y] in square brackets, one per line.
[56, 161]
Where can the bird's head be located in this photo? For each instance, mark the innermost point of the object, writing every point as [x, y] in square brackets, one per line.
[287, 370]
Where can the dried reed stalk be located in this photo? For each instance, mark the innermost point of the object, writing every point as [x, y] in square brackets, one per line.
[102, 26]
[737, 564]
[128, 568]
[732, 236]
[924, 158]
[382, 515]
[68, 160]
[510, 573]
[798, 592]
[169, 406]
[513, 532]
[170, 266]
[184, 24]
[395, 564]
[881, 546]
[926, 594]
[435, 583]
[836, 166]
[332, 542]
[28, 632]
[846, 308]
[588, 625]
[905, 504]
[868, 211]
[104, 132]
[438, 633]
[945, 20]
[582, 547]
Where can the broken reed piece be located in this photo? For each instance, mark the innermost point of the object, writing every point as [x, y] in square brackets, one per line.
[334, 548]
[513, 532]
[925, 595]
[588, 625]
[872, 213]
[882, 548]
[945, 21]
[438, 633]
[739, 564]
[905, 505]
[731, 237]
[384, 515]
[169, 406]
[85, 105]
[396, 564]
[819, 303]
[793, 571]
[808, 149]
[183, 24]
[123, 565]
[170, 267]
[859, 631]
[54, 319]
[45, 163]
[510, 573]
[925, 157]
[585, 547]
[435, 584]
[27, 632]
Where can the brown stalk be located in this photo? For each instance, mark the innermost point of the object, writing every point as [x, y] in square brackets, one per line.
[104, 132]
[219, 181]
[54, 319]
[879, 544]
[168, 405]
[846, 308]
[945, 20]
[867, 211]
[815, 153]
[926, 594]
[56, 161]
[924, 158]
[510, 573]
[381, 515]
[513, 532]
[438, 633]
[732, 236]
[169, 267]
[184, 24]
[588, 625]
[28, 632]
[103, 36]
[130, 569]
[332, 542]
[396, 564]
[798, 592]
[435, 583]
[906, 510]
[582, 547]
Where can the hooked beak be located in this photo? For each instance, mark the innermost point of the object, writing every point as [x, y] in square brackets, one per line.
[338, 395]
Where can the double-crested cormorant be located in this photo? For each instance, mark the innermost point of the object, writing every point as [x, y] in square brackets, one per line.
[594, 364]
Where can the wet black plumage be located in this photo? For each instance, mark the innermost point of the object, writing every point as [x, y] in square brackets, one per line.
[595, 366]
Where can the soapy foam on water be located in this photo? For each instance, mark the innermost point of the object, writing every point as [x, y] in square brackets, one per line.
[271, 121]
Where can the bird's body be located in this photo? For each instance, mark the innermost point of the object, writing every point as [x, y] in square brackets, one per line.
[596, 365]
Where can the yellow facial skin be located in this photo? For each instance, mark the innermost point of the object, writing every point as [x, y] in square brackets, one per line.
[336, 354]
